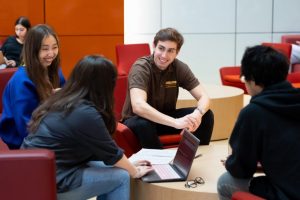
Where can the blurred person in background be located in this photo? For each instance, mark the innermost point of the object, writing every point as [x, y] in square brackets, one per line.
[12, 47]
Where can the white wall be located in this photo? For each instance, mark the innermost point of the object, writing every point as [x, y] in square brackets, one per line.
[216, 32]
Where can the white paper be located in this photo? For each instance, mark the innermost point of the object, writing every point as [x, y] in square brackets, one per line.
[155, 156]
[2, 66]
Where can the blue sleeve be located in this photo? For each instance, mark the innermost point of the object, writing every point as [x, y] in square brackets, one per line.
[62, 80]
[24, 99]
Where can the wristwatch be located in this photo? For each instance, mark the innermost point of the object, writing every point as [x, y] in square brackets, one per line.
[201, 112]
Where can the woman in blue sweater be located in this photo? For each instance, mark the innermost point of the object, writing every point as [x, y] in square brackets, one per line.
[31, 84]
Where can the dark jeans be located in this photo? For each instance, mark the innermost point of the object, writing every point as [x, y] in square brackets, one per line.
[147, 131]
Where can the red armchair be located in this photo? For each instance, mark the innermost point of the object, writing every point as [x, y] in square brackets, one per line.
[294, 79]
[245, 196]
[127, 54]
[284, 48]
[120, 95]
[291, 39]
[27, 174]
[3, 146]
[230, 76]
[123, 135]
[2, 42]
[5, 75]
[126, 140]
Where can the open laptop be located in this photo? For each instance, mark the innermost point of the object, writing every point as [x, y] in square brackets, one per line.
[179, 169]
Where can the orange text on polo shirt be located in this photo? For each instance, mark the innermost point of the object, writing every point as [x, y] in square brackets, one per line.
[170, 84]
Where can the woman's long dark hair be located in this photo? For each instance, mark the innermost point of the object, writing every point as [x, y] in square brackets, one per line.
[24, 21]
[93, 78]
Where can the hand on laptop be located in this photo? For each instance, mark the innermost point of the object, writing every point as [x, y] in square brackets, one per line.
[141, 163]
[143, 167]
[142, 171]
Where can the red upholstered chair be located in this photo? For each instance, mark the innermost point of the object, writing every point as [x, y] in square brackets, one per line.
[126, 139]
[123, 135]
[291, 39]
[294, 78]
[5, 75]
[230, 76]
[284, 48]
[127, 54]
[296, 67]
[245, 196]
[27, 174]
[2, 42]
[3, 146]
[120, 95]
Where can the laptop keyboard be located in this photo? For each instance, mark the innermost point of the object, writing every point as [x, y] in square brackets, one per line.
[165, 171]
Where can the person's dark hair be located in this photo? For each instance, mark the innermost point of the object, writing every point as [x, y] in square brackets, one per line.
[170, 34]
[264, 65]
[30, 56]
[93, 78]
[24, 21]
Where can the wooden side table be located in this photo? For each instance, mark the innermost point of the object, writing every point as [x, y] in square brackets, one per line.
[208, 166]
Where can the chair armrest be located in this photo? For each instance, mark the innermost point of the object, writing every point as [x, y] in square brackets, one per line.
[245, 196]
[126, 140]
[3, 146]
[28, 174]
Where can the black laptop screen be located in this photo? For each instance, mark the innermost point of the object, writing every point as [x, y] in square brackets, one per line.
[186, 152]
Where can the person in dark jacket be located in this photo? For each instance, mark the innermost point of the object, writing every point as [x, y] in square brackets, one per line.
[77, 123]
[267, 131]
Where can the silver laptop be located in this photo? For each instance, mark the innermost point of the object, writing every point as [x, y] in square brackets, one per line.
[179, 169]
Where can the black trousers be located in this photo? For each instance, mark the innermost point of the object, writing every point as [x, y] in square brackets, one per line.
[147, 131]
